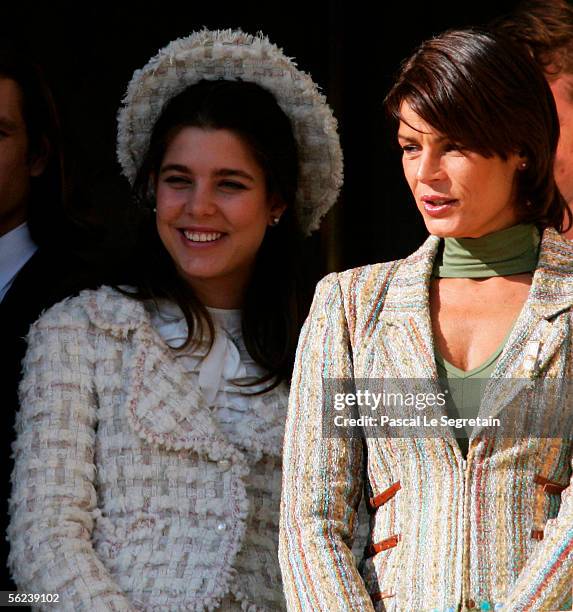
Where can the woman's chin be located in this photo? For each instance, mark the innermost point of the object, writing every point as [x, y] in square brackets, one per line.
[443, 228]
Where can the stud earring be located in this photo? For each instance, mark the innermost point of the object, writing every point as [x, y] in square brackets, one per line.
[523, 165]
[275, 221]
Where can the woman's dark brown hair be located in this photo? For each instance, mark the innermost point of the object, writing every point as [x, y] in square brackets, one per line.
[482, 91]
[277, 298]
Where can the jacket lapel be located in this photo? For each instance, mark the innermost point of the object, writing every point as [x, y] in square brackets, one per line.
[543, 323]
[533, 349]
[160, 407]
[405, 328]
[404, 342]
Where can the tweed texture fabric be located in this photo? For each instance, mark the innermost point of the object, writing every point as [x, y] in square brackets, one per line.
[233, 55]
[486, 533]
[127, 495]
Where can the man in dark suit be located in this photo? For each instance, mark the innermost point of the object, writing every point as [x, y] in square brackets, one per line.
[35, 271]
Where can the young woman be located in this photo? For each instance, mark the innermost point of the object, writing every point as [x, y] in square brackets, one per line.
[490, 293]
[149, 439]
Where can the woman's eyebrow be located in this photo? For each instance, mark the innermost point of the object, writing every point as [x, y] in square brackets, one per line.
[234, 172]
[174, 167]
[218, 173]
[437, 137]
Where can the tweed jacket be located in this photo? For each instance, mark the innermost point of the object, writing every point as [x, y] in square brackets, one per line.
[447, 534]
[127, 495]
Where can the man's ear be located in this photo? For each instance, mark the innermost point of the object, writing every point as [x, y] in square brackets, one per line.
[39, 158]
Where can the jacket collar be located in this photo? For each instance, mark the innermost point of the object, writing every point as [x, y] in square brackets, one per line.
[551, 289]
[115, 312]
[551, 294]
[161, 405]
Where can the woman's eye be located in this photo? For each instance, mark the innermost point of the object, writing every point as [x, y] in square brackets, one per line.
[233, 185]
[177, 180]
[409, 148]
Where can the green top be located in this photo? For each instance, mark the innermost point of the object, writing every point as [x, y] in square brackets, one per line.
[511, 251]
[465, 388]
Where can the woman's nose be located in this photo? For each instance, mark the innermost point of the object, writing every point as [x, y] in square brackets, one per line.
[201, 201]
[429, 168]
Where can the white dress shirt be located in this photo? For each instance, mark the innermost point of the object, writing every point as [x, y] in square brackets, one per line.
[16, 248]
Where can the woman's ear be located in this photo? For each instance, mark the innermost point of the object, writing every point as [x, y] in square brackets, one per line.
[277, 208]
[522, 161]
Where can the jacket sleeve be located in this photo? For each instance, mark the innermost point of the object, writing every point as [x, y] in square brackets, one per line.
[54, 499]
[547, 578]
[322, 477]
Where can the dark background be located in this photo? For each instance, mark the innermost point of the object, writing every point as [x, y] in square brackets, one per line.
[352, 50]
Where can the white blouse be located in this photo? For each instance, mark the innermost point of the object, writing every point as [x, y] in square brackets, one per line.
[228, 362]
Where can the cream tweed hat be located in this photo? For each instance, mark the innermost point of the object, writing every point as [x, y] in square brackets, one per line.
[234, 55]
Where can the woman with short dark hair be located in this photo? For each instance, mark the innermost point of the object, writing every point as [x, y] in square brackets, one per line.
[148, 460]
[478, 521]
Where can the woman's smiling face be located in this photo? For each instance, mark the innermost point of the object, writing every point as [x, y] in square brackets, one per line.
[460, 193]
[213, 210]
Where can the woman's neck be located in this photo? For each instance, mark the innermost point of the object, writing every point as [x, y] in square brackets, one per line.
[223, 293]
[514, 250]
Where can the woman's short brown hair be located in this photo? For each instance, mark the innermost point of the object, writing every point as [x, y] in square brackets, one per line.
[482, 91]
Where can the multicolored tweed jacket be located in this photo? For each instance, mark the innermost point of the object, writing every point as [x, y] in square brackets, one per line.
[495, 532]
[127, 495]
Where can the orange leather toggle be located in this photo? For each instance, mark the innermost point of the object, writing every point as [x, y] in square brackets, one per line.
[537, 534]
[390, 542]
[553, 488]
[385, 496]
[381, 595]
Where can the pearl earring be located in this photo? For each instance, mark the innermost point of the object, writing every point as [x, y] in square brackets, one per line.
[275, 221]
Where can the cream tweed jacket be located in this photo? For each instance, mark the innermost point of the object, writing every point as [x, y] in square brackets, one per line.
[126, 493]
[493, 532]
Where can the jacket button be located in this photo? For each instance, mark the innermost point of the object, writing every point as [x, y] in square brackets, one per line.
[471, 604]
[221, 527]
[224, 464]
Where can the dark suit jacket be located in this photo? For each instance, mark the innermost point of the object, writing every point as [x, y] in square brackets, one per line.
[43, 281]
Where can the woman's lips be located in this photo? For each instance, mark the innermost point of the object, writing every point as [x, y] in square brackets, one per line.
[200, 238]
[436, 207]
